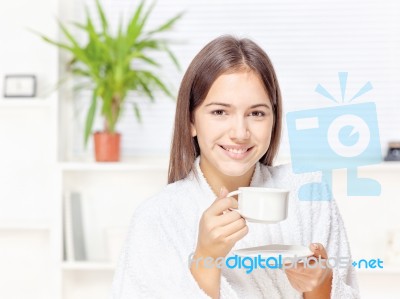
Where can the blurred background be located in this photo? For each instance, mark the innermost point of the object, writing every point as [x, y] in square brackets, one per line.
[63, 216]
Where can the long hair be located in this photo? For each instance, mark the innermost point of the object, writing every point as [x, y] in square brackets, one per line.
[225, 54]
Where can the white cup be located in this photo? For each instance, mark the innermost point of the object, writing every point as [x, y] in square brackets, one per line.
[262, 205]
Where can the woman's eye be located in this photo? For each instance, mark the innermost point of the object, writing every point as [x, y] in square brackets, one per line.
[257, 113]
[218, 112]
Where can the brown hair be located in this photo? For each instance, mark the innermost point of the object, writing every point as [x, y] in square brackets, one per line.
[225, 54]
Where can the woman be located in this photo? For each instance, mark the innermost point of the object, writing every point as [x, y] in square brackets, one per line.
[227, 133]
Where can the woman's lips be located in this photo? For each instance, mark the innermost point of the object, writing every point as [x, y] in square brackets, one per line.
[236, 152]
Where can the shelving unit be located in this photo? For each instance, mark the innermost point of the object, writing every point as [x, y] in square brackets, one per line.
[25, 102]
[384, 166]
[386, 270]
[23, 227]
[88, 266]
[133, 164]
[27, 230]
[112, 191]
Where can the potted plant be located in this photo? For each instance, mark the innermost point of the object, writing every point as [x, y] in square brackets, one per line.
[106, 60]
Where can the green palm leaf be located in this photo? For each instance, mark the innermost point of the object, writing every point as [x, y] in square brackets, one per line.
[90, 116]
[108, 61]
[167, 25]
[104, 22]
[137, 112]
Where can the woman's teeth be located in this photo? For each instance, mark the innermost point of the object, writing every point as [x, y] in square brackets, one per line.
[236, 151]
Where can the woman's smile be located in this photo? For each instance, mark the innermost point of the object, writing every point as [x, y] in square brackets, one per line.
[236, 152]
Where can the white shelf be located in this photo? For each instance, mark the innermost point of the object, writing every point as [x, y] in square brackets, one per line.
[383, 166]
[25, 102]
[133, 164]
[386, 270]
[387, 166]
[88, 266]
[161, 163]
[23, 226]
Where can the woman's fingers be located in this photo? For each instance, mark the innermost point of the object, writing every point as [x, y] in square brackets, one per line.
[228, 218]
[238, 235]
[223, 192]
[222, 204]
[233, 227]
[309, 278]
[220, 228]
[293, 281]
[319, 250]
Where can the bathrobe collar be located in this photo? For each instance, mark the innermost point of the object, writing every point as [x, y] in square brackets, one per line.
[261, 178]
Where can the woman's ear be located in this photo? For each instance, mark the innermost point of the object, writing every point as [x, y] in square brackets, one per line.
[193, 130]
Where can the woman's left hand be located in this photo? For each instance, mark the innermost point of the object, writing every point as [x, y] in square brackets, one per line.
[315, 279]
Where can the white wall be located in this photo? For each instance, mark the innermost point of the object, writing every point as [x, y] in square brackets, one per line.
[23, 52]
[309, 42]
[27, 152]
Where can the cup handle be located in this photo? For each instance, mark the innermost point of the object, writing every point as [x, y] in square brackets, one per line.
[233, 193]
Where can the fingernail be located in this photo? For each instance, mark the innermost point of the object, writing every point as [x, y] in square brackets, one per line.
[221, 190]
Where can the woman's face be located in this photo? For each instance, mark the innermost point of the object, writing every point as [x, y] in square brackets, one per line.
[233, 124]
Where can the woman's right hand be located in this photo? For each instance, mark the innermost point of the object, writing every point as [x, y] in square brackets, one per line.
[220, 228]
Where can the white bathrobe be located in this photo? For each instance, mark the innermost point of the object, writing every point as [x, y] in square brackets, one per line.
[163, 233]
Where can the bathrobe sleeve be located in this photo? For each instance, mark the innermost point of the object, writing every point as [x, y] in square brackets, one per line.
[330, 231]
[319, 221]
[154, 261]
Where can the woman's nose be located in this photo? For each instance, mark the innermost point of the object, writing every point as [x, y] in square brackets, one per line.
[239, 130]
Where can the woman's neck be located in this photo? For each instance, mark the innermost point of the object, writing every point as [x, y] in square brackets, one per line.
[216, 179]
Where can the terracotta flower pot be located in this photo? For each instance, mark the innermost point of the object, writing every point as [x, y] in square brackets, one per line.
[107, 146]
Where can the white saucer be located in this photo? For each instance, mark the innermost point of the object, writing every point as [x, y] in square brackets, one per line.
[274, 250]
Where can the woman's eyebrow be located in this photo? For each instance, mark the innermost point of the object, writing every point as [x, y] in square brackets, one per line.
[229, 105]
[219, 104]
[260, 105]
